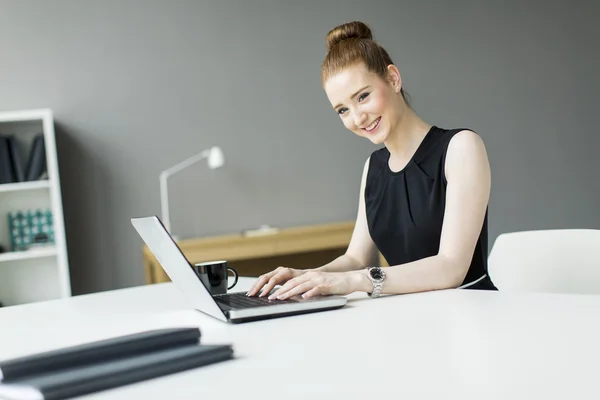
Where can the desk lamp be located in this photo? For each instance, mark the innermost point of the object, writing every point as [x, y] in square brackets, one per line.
[215, 159]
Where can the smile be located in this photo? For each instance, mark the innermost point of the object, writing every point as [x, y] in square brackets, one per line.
[373, 125]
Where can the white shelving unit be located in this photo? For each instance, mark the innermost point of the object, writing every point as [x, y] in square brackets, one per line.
[42, 273]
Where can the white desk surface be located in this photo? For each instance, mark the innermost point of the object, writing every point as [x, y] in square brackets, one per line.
[459, 344]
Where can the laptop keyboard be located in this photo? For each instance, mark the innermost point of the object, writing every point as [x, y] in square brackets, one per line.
[240, 300]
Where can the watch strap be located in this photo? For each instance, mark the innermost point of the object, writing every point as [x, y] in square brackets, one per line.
[377, 283]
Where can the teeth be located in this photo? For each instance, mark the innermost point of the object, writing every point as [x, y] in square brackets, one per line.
[373, 125]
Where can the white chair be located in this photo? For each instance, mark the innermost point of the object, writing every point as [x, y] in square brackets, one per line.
[559, 261]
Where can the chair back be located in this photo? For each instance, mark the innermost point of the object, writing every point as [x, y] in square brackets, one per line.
[559, 261]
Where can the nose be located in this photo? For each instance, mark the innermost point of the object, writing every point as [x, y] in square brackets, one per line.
[359, 118]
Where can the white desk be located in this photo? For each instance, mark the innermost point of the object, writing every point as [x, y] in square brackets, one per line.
[456, 344]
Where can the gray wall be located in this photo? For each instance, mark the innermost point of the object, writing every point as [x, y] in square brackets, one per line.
[137, 86]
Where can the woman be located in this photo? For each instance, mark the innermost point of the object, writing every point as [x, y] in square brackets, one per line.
[423, 195]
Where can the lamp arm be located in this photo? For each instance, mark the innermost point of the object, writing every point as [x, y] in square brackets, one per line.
[186, 163]
[164, 193]
[164, 202]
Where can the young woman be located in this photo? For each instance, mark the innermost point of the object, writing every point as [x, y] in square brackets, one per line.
[423, 195]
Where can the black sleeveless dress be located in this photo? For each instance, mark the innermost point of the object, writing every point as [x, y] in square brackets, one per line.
[405, 209]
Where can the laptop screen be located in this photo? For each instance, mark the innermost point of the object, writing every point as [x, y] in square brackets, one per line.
[176, 265]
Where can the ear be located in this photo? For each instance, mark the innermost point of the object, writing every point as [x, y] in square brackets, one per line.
[394, 78]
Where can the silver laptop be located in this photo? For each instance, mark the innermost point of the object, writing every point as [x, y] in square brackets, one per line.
[231, 307]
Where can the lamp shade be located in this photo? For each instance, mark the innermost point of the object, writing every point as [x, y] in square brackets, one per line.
[216, 158]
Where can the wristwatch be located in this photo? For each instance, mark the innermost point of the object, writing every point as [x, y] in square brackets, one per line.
[377, 276]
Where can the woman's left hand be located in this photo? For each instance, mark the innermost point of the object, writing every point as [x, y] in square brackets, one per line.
[314, 283]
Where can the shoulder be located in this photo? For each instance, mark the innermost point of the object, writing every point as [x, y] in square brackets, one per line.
[373, 164]
[377, 159]
[466, 150]
[465, 142]
[380, 154]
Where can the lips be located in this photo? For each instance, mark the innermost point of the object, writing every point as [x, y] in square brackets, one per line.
[373, 126]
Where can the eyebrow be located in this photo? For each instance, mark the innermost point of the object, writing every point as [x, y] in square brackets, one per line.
[353, 96]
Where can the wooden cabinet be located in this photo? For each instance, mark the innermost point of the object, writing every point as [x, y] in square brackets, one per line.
[297, 247]
[250, 255]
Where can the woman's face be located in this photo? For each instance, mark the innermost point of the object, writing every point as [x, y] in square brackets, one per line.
[367, 105]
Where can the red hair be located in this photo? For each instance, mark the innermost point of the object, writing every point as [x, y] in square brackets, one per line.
[350, 44]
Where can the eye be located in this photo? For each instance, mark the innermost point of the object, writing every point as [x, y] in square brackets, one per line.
[341, 111]
[363, 96]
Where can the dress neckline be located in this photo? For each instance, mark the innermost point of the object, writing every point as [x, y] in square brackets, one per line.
[412, 158]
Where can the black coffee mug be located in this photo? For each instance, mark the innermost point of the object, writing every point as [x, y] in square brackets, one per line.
[214, 276]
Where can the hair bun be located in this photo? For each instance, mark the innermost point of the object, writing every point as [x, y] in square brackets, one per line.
[349, 30]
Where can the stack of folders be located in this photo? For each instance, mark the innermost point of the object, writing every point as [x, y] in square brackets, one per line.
[12, 166]
[106, 364]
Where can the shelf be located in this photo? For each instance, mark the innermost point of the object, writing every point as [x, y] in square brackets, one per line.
[40, 273]
[25, 115]
[18, 186]
[28, 254]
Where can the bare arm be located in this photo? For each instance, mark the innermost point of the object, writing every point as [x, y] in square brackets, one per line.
[467, 194]
[361, 249]
[468, 190]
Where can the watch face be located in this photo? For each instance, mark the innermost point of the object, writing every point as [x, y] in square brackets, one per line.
[376, 273]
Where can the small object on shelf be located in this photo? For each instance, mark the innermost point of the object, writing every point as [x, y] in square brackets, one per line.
[30, 229]
[262, 230]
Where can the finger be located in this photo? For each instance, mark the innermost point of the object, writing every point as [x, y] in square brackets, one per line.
[301, 288]
[257, 284]
[251, 290]
[287, 286]
[275, 279]
[263, 280]
[316, 291]
[292, 283]
[260, 283]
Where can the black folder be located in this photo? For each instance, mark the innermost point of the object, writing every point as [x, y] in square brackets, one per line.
[15, 157]
[36, 164]
[7, 174]
[92, 378]
[97, 352]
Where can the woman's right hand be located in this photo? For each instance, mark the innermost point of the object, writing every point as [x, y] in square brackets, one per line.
[268, 281]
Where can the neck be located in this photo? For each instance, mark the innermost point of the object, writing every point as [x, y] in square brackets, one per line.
[407, 135]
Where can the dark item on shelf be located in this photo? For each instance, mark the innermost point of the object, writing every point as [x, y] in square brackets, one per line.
[36, 165]
[15, 158]
[41, 238]
[7, 174]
